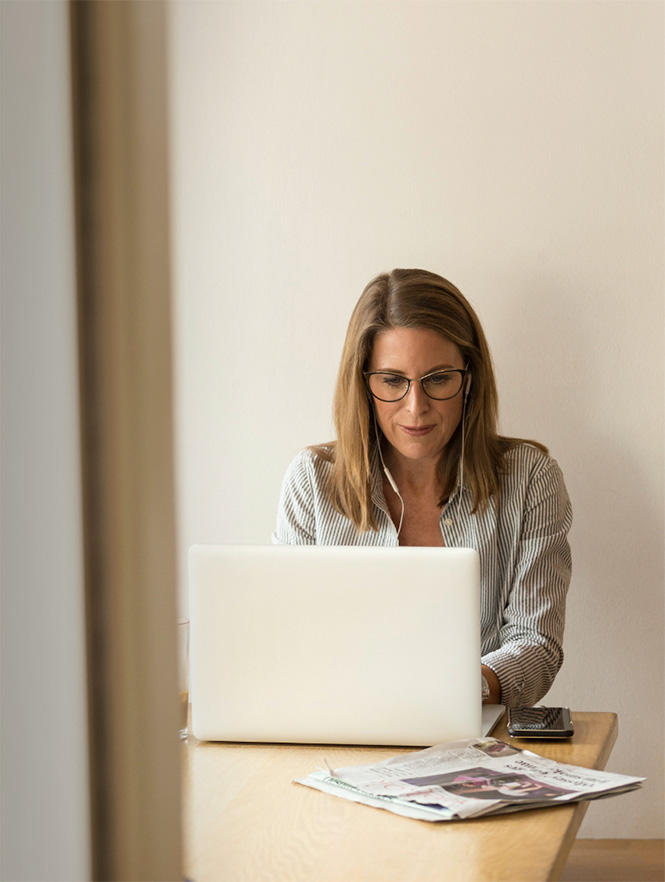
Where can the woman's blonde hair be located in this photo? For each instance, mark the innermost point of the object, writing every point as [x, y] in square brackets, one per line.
[412, 298]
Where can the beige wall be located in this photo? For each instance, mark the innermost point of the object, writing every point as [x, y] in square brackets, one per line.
[513, 147]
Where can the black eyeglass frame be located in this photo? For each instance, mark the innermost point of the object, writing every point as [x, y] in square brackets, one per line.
[367, 374]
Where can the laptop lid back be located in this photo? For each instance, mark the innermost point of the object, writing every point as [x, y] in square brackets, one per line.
[339, 645]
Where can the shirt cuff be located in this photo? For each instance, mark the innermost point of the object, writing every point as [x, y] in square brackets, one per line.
[510, 675]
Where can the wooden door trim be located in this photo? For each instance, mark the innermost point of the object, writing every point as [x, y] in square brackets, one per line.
[121, 172]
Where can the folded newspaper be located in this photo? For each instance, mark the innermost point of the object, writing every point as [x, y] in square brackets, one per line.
[467, 779]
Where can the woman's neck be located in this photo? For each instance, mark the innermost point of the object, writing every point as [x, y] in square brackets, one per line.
[419, 476]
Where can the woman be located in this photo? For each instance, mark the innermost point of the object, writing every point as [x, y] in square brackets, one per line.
[418, 461]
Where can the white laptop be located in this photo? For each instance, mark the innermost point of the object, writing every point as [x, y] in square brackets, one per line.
[335, 644]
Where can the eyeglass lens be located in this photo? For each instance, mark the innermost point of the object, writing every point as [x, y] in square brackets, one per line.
[392, 387]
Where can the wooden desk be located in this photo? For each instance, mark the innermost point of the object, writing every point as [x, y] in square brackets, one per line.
[245, 820]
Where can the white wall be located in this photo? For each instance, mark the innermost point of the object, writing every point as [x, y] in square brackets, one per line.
[516, 148]
[45, 825]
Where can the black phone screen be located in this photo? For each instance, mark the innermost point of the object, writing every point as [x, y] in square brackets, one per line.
[539, 718]
[540, 722]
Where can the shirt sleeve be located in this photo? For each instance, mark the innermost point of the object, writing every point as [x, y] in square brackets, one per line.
[296, 524]
[531, 636]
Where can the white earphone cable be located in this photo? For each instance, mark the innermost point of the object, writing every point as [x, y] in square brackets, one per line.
[461, 468]
[386, 470]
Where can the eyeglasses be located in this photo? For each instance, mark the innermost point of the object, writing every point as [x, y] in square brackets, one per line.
[439, 385]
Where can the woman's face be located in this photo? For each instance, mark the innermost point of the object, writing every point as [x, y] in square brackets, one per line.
[418, 428]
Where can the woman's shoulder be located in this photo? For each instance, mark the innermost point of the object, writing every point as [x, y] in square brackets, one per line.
[527, 458]
[311, 462]
[530, 476]
[321, 452]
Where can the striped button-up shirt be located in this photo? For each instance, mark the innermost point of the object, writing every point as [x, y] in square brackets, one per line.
[524, 556]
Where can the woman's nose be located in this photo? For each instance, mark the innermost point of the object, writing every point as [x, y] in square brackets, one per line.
[416, 401]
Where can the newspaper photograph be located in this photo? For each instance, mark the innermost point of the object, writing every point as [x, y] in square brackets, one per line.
[467, 779]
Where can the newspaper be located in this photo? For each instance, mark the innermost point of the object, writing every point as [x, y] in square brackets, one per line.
[467, 779]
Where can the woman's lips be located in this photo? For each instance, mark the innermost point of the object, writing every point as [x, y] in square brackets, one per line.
[416, 431]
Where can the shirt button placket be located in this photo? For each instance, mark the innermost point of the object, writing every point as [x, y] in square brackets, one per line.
[446, 529]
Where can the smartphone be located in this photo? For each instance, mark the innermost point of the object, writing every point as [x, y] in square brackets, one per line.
[540, 722]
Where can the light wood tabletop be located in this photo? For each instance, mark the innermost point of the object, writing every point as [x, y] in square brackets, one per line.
[244, 819]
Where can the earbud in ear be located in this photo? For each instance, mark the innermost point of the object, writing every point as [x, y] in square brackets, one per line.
[467, 386]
